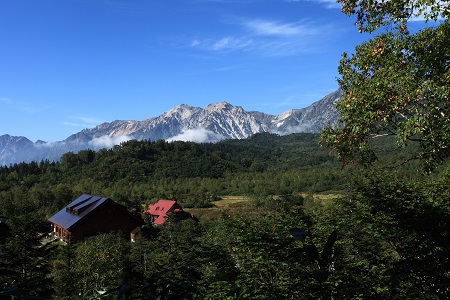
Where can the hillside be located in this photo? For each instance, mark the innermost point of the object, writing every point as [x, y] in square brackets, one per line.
[193, 173]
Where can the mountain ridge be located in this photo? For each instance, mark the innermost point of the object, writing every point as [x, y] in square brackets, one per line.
[215, 122]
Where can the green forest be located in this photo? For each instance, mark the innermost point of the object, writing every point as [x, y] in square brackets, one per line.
[378, 231]
[360, 211]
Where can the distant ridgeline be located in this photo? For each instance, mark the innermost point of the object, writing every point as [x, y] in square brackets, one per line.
[213, 123]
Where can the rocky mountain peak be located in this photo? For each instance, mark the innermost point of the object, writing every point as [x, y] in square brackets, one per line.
[183, 110]
[216, 121]
[219, 106]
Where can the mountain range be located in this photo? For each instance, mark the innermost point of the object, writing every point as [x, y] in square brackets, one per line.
[213, 123]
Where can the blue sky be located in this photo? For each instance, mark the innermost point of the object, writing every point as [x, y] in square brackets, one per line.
[66, 65]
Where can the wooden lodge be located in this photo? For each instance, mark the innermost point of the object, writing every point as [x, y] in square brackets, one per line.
[89, 215]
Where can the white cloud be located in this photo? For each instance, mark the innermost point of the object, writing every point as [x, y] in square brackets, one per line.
[294, 129]
[195, 43]
[47, 145]
[217, 70]
[72, 124]
[89, 120]
[224, 69]
[330, 4]
[264, 27]
[270, 38]
[223, 1]
[198, 135]
[223, 45]
[108, 142]
[85, 122]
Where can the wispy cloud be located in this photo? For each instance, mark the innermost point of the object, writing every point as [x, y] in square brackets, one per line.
[72, 124]
[83, 122]
[268, 38]
[224, 69]
[89, 120]
[223, 1]
[217, 70]
[231, 44]
[264, 27]
[227, 44]
[330, 4]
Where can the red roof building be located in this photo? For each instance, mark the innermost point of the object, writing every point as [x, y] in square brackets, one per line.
[89, 215]
[161, 210]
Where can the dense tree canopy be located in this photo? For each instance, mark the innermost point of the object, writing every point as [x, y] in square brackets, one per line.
[395, 84]
[372, 14]
[396, 89]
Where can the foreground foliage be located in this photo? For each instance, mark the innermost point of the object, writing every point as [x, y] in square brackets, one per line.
[385, 237]
[396, 84]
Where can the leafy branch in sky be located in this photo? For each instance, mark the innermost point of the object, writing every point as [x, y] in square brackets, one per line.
[394, 84]
[371, 14]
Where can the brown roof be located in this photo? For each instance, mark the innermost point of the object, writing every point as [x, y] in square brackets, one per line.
[81, 207]
[77, 210]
